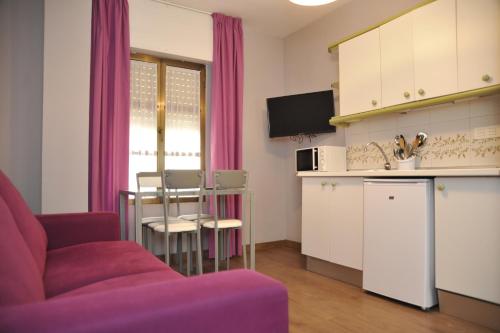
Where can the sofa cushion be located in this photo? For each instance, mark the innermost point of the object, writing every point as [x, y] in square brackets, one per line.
[31, 230]
[20, 280]
[133, 280]
[79, 265]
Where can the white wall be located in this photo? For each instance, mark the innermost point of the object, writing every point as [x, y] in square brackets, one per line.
[170, 30]
[155, 27]
[21, 71]
[309, 67]
[66, 105]
[262, 157]
[165, 30]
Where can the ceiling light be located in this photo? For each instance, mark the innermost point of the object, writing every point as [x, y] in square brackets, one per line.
[311, 2]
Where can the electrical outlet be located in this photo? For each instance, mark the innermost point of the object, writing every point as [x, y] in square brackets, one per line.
[486, 132]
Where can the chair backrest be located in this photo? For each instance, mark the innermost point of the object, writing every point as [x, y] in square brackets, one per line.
[183, 179]
[175, 180]
[148, 179]
[230, 179]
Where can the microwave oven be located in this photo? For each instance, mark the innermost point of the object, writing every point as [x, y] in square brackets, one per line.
[321, 158]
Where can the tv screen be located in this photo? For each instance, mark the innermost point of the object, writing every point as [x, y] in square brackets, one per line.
[300, 114]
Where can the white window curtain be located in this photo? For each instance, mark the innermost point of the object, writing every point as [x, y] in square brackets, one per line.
[182, 118]
[143, 119]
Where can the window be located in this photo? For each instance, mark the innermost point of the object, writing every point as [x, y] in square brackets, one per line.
[167, 115]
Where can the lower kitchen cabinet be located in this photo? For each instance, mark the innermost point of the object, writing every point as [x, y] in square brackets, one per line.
[332, 219]
[467, 222]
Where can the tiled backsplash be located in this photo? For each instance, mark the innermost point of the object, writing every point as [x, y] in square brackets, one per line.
[450, 128]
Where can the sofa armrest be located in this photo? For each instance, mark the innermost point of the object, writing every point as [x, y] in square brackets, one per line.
[234, 301]
[76, 228]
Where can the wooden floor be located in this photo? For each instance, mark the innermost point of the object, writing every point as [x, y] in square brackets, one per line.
[320, 304]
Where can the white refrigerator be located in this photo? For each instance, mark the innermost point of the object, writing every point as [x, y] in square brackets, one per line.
[398, 250]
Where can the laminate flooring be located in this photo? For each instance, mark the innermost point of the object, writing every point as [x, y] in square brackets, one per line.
[320, 304]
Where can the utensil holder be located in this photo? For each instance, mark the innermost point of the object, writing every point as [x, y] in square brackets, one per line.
[408, 164]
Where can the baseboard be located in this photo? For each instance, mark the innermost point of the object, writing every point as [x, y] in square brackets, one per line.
[335, 271]
[470, 309]
[274, 244]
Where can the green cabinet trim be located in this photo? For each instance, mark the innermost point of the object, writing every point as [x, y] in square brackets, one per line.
[343, 121]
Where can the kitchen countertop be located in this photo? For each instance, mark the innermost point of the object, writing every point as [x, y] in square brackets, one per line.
[431, 172]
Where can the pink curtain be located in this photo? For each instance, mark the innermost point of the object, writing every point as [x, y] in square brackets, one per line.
[227, 107]
[109, 103]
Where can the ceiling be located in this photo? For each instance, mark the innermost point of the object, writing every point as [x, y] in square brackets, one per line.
[278, 18]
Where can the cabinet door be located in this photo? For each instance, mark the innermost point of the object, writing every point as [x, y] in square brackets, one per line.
[347, 221]
[478, 38]
[435, 49]
[316, 217]
[360, 74]
[468, 236]
[396, 61]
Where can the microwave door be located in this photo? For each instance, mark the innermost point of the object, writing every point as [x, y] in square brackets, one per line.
[306, 159]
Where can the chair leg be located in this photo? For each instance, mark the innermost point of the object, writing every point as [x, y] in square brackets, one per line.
[199, 263]
[166, 247]
[188, 264]
[228, 251]
[179, 252]
[216, 248]
[244, 248]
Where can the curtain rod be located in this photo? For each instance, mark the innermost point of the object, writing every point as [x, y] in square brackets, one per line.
[173, 4]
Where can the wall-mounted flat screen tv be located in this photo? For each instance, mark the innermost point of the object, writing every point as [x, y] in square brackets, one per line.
[300, 114]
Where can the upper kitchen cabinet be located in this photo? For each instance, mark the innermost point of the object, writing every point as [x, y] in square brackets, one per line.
[396, 61]
[435, 49]
[360, 88]
[478, 38]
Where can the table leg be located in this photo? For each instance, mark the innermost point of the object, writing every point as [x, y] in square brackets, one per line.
[138, 218]
[123, 224]
[252, 234]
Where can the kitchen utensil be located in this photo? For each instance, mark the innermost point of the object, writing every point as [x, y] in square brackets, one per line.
[396, 141]
[414, 146]
[402, 144]
[396, 153]
[422, 138]
[401, 153]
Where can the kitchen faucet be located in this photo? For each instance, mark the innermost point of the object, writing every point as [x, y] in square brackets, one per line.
[387, 165]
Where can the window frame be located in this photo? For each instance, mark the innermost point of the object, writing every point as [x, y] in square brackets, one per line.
[162, 64]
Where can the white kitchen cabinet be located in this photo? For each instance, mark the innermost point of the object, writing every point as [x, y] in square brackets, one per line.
[316, 218]
[360, 87]
[435, 49]
[478, 43]
[332, 219]
[396, 61]
[467, 222]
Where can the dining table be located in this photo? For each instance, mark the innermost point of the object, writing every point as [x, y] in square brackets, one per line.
[133, 231]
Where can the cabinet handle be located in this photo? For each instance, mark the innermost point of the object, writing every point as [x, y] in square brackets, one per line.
[406, 94]
[333, 185]
[486, 78]
[323, 184]
[374, 102]
[421, 92]
[440, 187]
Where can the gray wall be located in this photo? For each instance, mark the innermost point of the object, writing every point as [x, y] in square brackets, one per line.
[21, 91]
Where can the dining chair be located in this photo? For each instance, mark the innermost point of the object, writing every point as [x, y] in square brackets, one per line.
[177, 183]
[147, 182]
[227, 182]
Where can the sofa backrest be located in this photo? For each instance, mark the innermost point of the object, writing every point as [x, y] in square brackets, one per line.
[30, 228]
[20, 279]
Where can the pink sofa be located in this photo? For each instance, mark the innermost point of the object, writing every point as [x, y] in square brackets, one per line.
[71, 273]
